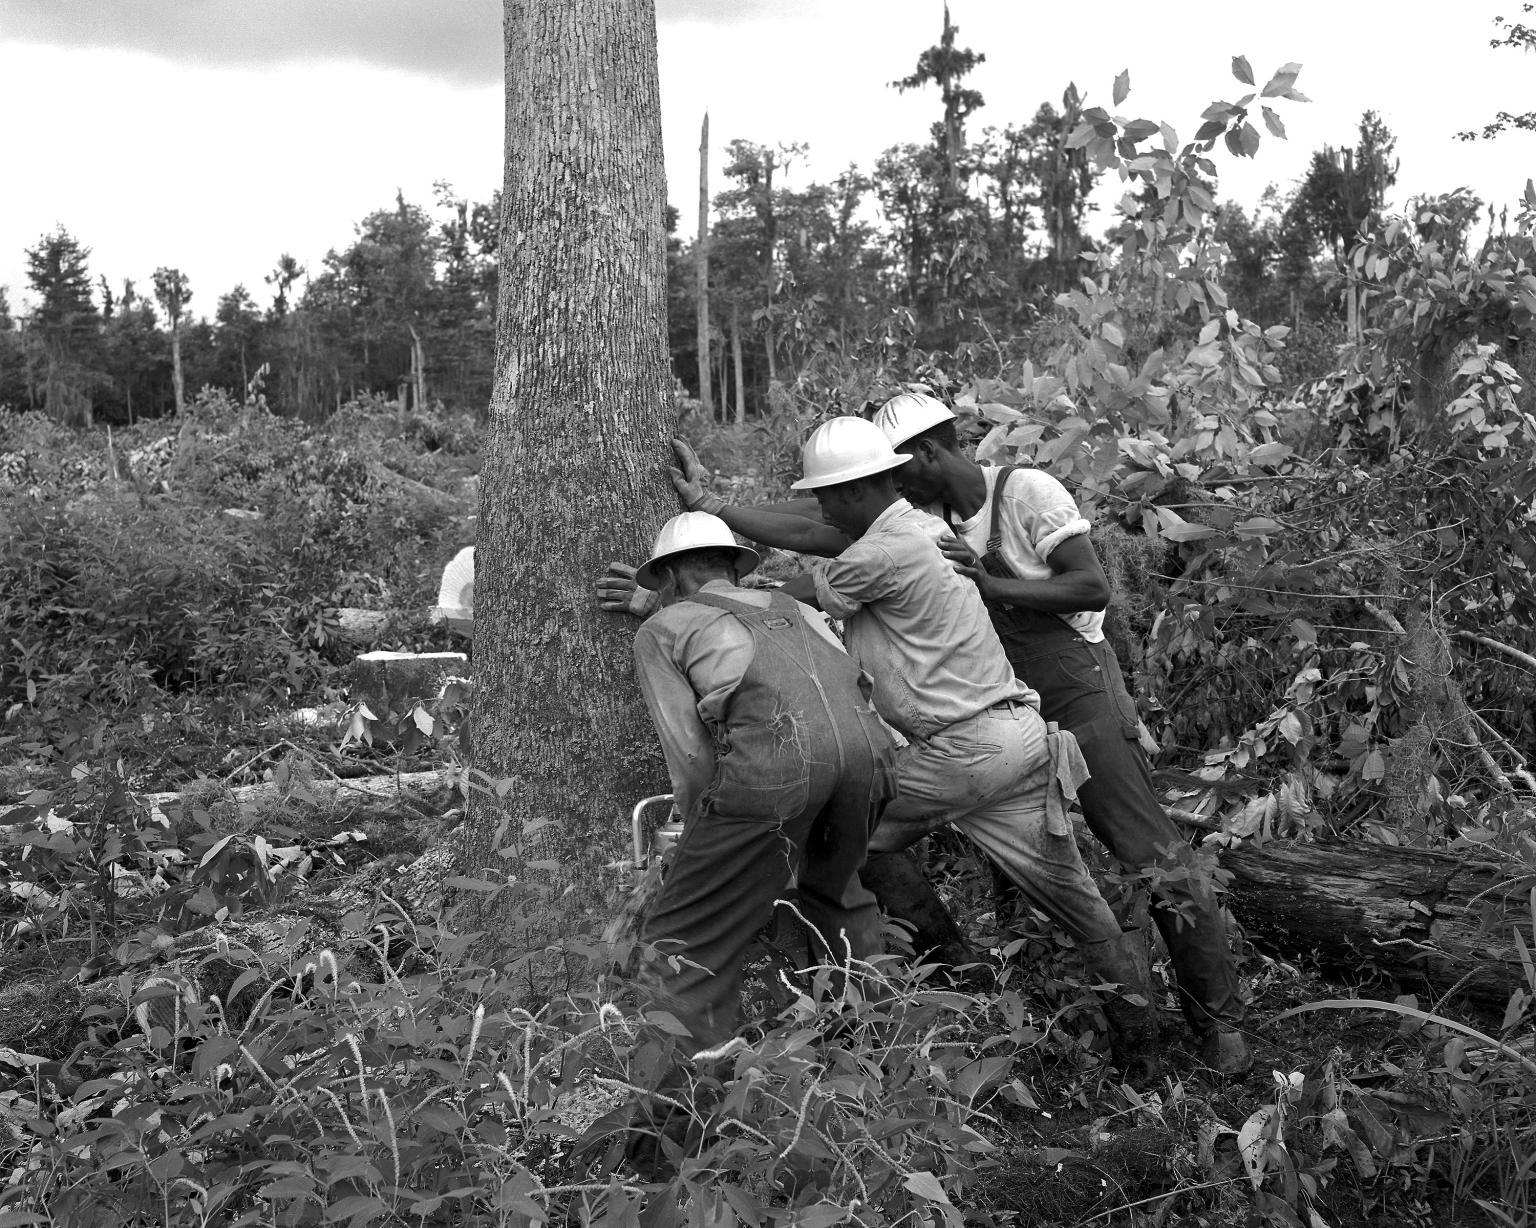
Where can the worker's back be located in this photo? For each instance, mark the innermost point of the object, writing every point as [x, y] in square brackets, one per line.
[801, 701]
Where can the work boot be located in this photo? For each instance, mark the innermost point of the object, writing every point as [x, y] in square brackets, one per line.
[1225, 1050]
[905, 894]
[1134, 1045]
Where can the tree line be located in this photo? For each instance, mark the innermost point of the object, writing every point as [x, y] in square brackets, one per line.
[938, 244]
[406, 310]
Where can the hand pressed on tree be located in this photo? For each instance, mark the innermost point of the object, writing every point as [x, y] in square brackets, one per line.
[689, 479]
[618, 591]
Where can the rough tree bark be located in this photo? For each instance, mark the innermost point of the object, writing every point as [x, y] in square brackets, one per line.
[173, 294]
[580, 413]
[741, 387]
[701, 273]
[1437, 923]
[770, 220]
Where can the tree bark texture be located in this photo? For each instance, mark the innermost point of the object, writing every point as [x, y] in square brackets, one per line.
[177, 383]
[741, 387]
[701, 272]
[580, 415]
[768, 213]
[1438, 923]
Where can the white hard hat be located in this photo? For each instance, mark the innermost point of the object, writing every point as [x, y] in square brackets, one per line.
[908, 415]
[843, 449]
[693, 531]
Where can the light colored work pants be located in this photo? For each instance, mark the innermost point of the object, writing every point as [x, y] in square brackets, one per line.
[990, 776]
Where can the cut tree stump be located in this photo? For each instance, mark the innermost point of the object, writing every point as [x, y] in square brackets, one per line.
[1438, 923]
[395, 681]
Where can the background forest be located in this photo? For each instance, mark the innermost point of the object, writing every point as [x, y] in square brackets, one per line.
[956, 243]
[1305, 435]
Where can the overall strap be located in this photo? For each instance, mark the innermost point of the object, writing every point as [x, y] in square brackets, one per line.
[717, 601]
[993, 560]
[781, 614]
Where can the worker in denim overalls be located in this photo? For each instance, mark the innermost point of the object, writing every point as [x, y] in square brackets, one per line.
[978, 754]
[779, 765]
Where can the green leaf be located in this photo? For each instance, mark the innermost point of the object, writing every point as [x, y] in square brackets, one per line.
[1186, 532]
[1282, 80]
[357, 1210]
[926, 1185]
[1272, 122]
[1356, 739]
[822, 1215]
[982, 1075]
[1291, 728]
[461, 883]
[1242, 70]
[1081, 135]
[296, 1186]
[1122, 86]
[1269, 453]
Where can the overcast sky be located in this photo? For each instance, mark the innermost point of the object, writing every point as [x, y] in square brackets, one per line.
[214, 135]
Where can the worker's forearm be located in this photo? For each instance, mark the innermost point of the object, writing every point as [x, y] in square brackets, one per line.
[806, 507]
[1056, 595]
[787, 532]
[803, 589]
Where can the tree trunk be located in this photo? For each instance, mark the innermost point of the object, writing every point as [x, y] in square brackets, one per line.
[741, 387]
[418, 371]
[176, 380]
[770, 219]
[580, 415]
[722, 380]
[701, 271]
[1428, 920]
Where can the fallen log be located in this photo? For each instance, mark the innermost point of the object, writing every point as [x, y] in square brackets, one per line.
[405, 793]
[359, 626]
[1439, 924]
[388, 478]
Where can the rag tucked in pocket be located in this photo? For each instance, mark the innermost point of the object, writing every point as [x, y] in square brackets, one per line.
[1068, 772]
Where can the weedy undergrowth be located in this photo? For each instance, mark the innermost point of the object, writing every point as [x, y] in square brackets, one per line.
[399, 1079]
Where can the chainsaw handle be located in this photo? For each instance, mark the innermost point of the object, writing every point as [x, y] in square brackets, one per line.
[637, 823]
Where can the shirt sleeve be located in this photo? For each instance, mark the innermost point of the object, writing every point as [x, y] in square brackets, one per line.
[1043, 514]
[862, 573]
[670, 699]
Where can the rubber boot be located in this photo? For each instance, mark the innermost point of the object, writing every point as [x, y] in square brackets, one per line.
[1225, 1050]
[1134, 1046]
[905, 894]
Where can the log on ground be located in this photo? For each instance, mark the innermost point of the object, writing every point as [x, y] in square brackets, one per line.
[403, 793]
[1439, 924]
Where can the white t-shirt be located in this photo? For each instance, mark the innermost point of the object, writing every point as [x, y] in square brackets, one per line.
[1038, 515]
